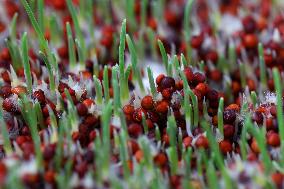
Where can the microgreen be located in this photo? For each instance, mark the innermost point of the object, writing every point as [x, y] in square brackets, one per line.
[144, 123]
[164, 54]
[55, 31]
[278, 88]
[216, 153]
[220, 116]
[259, 135]
[137, 74]
[106, 118]
[262, 66]
[253, 98]
[80, 52]
[211, 176]
[5, 134]
[40, 14]
[99, 91]
[188, 113]
[157, 133]
[242, 75]
[106, 84]
[124, 153]
[71, 46]
[124, 92]
[25, 57]
[13, 28]
[116, 94]
[39, 114]
[152, 83]
[29, 114]
[50, 71]
[186, 26]
[77, 27]
[152, 38]
[15, 54]
[42, 41]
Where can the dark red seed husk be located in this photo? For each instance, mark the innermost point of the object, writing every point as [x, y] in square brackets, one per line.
[81, 109]
[229, 116]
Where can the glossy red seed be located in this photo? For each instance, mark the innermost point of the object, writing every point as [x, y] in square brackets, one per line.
[198, 78]
[160, 159]
[250, 41]
[225, 146]
[5, 91]
[202, 88]
[162, 107]
[147, 102]
[273, 139]
[187, 141]
[202, 142]
[135, 130]
[229, 131]
[167, 82]
[188, 74]
[39, 95]
[229, 116]
[10, 106]
[81, 109]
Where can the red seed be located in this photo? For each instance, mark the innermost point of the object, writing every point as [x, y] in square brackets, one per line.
[250, 41]
[19, 90]
[198, 78]
[188, 74]
[81, 109]
[187, 141]
[162, 107]
[273, 139]
[147, 102]
[202, 88]
[196, 41]
[229, 131]
[135, 130]
[39, 95]
[88, 102]
[202, 142]
[5, 91]
[160, 159]
[128, 109]
[225, 146]
[249, 24]
[10, 106]
[49, 176]
[254, 146]
[229, 116]
[137, 114]
[5, 76]
[167, 82]
[278, 179]
[167, 93]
